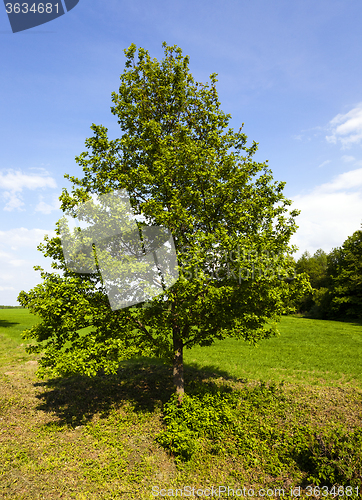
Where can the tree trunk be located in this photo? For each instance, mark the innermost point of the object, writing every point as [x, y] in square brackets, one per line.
[178, 365]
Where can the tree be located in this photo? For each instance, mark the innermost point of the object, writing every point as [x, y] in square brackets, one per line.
[315, 267]
[345, 271]
[185, 171]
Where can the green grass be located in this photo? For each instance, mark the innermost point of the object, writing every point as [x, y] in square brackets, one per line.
[14, 321]
[307, 350]
[114, 437]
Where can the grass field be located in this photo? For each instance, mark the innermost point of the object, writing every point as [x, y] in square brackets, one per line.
[313, 351]
[97, 439]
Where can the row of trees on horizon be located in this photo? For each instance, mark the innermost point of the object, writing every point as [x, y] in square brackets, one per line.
[336, 279]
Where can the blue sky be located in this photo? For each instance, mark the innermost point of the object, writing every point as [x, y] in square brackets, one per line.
[290, 71]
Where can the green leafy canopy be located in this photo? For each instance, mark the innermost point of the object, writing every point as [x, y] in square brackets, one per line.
[183, 169]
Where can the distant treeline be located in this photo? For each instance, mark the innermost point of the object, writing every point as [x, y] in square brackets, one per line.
[336, 279]
[12, 307]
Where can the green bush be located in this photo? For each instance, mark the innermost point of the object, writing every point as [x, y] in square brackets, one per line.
[197, 418]
[336, 457]
[257, 425]
[220, 423]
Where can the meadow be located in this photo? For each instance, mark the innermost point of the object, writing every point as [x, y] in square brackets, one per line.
[275, 418]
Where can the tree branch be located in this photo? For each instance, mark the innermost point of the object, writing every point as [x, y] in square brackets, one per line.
[144, 330]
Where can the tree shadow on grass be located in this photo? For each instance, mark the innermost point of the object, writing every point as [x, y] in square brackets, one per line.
[7, 324]
[147, 386]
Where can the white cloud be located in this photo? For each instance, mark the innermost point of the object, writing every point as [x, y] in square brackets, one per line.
[347, 128]
[298, 137]
[17, 262]
[5, 255]
[324, 163]
[16, 181]
[22, 237]
[347, 158]
[329, 213]
[47, 208]
[18, 256]
[7, 277]
[347, 180]
[41, 169]
[13, 200]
